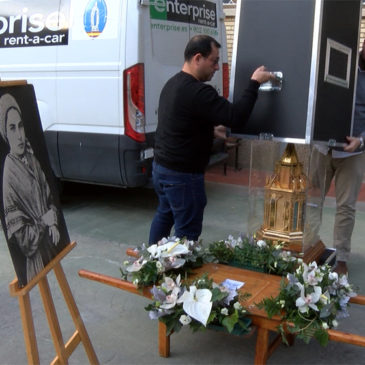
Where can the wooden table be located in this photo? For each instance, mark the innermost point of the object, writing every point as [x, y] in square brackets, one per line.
[259, 285]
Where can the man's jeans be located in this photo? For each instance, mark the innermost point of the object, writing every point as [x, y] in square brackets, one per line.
[182, 200]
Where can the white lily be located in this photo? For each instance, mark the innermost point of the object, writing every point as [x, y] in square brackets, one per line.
[343, 281]
[230, 241]
[311, 274]
[170, 248]
[170, 284]
[197, 303]
[175, 262]
[174, 249]
[136, 265]
[154, 251]
[171, 299]
[304, 302]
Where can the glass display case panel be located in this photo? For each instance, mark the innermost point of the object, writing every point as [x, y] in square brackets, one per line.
[286, 193]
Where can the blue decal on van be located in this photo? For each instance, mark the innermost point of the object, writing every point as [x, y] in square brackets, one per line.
[95, 17]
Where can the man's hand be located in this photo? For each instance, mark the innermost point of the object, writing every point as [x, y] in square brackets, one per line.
[352, 145]
[261, 75]
[220, 131]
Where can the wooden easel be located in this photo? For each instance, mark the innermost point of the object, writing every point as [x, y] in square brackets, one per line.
[63, 351]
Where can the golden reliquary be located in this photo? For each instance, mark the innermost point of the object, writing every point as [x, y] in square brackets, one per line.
[285, 193]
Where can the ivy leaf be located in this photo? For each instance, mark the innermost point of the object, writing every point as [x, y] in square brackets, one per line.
[218, 295]
[230, 321]
[172, 325]
[322, 336]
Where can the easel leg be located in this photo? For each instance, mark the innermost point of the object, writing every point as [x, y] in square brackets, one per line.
[28, 329]
[75, 314]
[163, 340]
[53, 322]
[262, 346]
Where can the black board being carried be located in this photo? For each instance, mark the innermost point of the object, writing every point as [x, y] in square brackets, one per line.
[314, 44]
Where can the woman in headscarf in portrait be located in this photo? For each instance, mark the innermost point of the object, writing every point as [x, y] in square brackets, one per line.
[30, 216]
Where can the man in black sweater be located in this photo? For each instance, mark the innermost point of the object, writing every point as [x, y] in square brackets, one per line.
[189, 110]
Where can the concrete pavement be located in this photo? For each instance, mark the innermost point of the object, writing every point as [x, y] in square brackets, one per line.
[104, 222]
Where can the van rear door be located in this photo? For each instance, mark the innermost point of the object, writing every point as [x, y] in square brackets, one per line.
[169, 25]
[88, 93]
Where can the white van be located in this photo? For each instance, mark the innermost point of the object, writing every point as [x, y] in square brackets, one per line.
[98, 67]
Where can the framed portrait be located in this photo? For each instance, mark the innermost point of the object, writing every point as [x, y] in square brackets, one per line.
[31, 215]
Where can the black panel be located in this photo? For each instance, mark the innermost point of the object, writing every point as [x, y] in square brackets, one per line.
[277, 34]
[334, 103]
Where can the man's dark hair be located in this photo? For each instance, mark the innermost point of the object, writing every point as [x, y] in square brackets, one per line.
[200, 44]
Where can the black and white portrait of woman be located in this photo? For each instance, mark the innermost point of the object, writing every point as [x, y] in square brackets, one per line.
[32, 222]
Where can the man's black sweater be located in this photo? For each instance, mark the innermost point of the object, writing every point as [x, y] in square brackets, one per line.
[188, 112]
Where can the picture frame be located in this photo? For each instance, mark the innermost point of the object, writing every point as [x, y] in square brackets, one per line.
[30, 210]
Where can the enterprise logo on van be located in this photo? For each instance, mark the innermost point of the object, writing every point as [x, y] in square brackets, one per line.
[185, 11]
[32, 28]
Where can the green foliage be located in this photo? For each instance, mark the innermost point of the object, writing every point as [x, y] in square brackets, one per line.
[223, 253]
[259, 255]
[271, 306]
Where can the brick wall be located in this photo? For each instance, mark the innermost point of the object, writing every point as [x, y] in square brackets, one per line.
[230, 12]
[362, 27]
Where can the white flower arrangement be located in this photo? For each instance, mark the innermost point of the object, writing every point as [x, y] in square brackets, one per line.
[168, 254]
[311, 300]
[198, 305]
